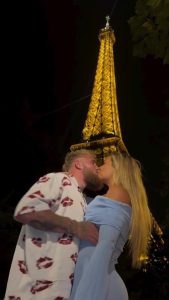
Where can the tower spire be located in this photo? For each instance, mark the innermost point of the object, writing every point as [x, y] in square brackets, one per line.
[102, 131]
[107, 22]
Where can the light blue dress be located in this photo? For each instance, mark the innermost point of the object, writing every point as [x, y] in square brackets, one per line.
[95, 276]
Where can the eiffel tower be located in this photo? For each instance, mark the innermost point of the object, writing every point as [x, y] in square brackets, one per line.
[102, 132]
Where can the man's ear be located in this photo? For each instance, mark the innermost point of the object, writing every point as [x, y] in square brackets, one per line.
[78, 164]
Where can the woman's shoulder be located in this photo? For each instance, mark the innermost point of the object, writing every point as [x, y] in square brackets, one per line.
[104, 200]
[103, 210]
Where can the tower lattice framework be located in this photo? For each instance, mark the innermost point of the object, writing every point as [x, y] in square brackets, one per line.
[102, 132]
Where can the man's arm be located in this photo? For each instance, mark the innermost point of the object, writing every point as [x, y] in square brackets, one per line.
[47, 220]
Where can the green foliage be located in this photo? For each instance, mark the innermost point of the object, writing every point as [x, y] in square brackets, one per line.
[150, 29]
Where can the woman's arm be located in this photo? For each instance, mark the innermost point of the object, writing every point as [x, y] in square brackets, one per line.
[93, 284]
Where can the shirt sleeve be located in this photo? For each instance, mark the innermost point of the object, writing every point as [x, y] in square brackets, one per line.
[45, 194]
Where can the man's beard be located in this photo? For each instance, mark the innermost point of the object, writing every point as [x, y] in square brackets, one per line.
[93, 183]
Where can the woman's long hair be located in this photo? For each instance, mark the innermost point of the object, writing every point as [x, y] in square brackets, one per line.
[128, 175]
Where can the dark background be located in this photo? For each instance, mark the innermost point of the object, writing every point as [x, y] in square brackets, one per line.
[50, 51]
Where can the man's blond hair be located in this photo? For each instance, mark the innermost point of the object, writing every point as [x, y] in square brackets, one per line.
[71, 156]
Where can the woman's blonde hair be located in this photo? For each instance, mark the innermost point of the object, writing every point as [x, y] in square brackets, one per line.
[128, 175]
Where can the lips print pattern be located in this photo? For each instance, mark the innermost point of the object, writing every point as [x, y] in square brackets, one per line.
[67, 202]
[66, 239]
[74, 257]
[37, 241]
[14, 298]
[43, 179]
[22, 266]
[26, 209]
[40, 285]
[30, 209]
[36, 194]
[66, 181]
[44, 262]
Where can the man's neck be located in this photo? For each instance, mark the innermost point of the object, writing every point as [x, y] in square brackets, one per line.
[79, 178]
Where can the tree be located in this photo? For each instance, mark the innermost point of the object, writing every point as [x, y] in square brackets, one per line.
[150, 29]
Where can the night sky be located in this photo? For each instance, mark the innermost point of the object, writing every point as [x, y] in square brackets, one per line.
[50, 51]
[50, 56]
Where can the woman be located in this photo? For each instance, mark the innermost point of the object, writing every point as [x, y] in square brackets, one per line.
[121, 213]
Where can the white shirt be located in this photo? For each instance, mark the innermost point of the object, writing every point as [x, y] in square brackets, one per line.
[44, 262]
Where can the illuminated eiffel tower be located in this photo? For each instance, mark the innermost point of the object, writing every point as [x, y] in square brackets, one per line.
[102, 132]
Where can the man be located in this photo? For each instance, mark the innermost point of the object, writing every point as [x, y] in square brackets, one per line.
[52, 213]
